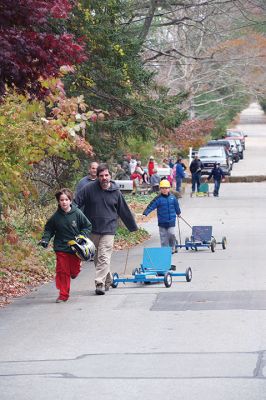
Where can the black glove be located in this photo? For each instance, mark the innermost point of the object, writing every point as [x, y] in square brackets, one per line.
[43, 243]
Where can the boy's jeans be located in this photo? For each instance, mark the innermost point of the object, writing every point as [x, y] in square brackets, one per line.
[167, 236]
[217, 184]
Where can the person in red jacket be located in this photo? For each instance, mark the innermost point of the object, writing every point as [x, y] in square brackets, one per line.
[151, 166]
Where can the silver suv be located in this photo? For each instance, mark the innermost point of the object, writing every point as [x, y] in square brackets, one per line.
[210, 155]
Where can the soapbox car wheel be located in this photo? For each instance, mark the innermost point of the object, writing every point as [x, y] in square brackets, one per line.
[115, 284]
[213, 244]
[188, 274]
[167, 279]
[224, 243]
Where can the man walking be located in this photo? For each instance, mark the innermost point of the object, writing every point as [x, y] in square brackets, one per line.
[179, 175]
[92, 171]
[103, 203]
[195, 168]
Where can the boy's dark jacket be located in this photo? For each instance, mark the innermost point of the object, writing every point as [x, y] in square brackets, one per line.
[217, 174]
[66, 226]
[102, 208]
[167, 209]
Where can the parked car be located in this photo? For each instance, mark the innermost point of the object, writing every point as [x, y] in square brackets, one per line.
[126, 186]
[234, 149]
[239, 146]
[163, 171]
[237, 134]
[227, 147]
[209, 155]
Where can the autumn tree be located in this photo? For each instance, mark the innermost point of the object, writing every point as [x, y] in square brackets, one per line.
[191, 133]
[185, 45]
[114, 79]
[29, 46]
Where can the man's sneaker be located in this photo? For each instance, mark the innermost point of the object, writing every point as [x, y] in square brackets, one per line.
[99, 290]
[108, 281]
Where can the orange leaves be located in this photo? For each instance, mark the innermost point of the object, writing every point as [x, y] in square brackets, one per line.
[248, 46]
[192, 133]
[83, 145]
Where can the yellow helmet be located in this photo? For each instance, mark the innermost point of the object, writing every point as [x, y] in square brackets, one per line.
[83, 247]
[165, 184]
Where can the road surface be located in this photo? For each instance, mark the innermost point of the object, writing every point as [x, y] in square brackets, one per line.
[202, 340]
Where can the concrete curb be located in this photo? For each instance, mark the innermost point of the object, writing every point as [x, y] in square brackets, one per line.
[230, 179]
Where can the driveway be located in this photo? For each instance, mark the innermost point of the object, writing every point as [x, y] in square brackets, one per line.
[203, 340]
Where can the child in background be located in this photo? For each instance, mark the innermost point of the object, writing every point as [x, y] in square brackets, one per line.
[218, 177]
[155, 180]
[167, 210]
[65, 224]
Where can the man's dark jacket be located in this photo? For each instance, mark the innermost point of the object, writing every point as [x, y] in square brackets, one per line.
[83, 182]
[196, 166]
[103, 207]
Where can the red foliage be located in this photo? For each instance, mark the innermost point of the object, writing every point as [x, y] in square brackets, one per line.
[83, 145]
[192, 133]
[12, 238]
[28, 48]
[28, 12]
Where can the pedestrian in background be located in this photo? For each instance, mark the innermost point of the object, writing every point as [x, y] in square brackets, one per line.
[103, 204]
[218, 177]
[179, 175]
[171, 163]
[125, 164]
[196, 167]
[92, 170]
[167, 209]
[180, 160]
[151, 166]
[132, 164]
[139, 169]
[120, 174]
[65, 224]
[155, 181]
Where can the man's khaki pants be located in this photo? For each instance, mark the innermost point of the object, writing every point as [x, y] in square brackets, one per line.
[104, 248]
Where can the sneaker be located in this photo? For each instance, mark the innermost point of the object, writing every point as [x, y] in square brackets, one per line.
[59, 300]
[108, 281]
[99, 289]
[73, 276]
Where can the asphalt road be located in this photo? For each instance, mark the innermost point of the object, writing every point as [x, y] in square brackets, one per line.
[253, 123]
[202, 340]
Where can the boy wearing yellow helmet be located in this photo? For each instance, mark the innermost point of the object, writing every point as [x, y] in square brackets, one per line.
[167, 209]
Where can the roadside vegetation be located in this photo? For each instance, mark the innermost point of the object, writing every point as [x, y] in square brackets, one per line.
[25, 265]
